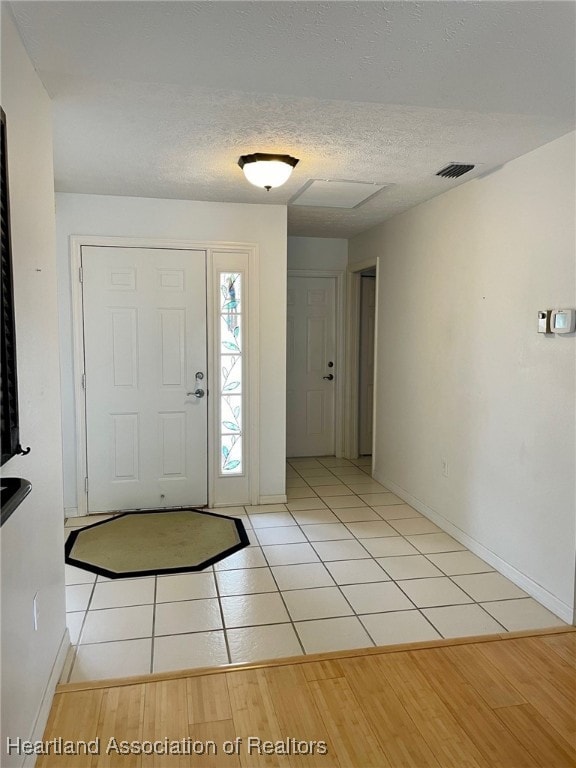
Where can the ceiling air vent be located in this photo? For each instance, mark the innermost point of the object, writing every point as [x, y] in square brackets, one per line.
[454, 170]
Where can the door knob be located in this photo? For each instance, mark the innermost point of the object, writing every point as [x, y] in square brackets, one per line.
[329, 377]
[199, 393]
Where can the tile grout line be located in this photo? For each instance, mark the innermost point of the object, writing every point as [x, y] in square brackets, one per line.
[294, 628]
[477, 602]
[482, 608]
[94, 611]
[153, 637]
[73, 664]
[355, 614]
[224, 628]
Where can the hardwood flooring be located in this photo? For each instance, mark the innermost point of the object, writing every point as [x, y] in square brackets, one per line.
[506, 701]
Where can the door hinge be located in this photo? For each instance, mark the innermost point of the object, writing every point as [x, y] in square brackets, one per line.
[83, 381]
[85, 485]
[80, 274]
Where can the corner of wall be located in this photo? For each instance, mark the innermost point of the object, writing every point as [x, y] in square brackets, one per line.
[33, 537]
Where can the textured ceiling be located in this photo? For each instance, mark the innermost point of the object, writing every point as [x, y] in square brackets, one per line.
[159, 99]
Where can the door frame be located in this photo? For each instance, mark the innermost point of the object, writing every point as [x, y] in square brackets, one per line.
[340, 277]
[351, 417]
[250, 251]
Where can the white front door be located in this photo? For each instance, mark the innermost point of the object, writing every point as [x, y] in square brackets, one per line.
[145, 356]
[311, 366]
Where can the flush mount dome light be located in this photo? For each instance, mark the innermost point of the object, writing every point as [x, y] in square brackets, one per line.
[267, 171]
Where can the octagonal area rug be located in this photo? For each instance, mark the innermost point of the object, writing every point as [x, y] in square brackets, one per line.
[149, 542]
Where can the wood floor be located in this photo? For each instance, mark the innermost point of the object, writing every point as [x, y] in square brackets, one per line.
[504, 701]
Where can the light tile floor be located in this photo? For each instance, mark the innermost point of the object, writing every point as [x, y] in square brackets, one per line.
[343, 564]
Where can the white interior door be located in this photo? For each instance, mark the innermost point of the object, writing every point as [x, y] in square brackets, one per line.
[311, 362]
[145, 355]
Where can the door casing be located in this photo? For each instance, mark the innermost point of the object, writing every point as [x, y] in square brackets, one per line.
[219, 489]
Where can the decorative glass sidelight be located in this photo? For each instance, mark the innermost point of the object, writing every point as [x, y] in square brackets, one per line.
[231, 364]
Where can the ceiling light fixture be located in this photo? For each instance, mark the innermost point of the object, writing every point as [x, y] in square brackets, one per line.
[267, 171]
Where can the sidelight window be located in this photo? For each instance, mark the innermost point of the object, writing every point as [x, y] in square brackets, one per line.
[231, 369]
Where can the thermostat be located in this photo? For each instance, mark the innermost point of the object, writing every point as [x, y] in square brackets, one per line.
[563, 321]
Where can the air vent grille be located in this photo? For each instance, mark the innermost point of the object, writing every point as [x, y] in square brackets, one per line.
[453, 170]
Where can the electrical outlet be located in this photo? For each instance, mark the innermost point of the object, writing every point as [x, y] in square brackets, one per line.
[35, 612]
[444, 463]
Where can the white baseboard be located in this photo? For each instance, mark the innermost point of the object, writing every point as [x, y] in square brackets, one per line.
[48, 695]
[71, 512]
[279, 498]
[539, 593]
[226, 506]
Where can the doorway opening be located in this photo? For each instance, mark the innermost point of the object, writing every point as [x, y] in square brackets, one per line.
[366, 361]
[361, 332]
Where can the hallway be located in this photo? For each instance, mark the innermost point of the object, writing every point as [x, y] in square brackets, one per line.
[343, 564]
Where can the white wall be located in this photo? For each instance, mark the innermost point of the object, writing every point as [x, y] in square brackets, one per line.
[32, 538]
[199, 221]
[462, 373]
[328, 253]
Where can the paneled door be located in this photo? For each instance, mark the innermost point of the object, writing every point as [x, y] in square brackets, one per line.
[311, 366]
[145, 377]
